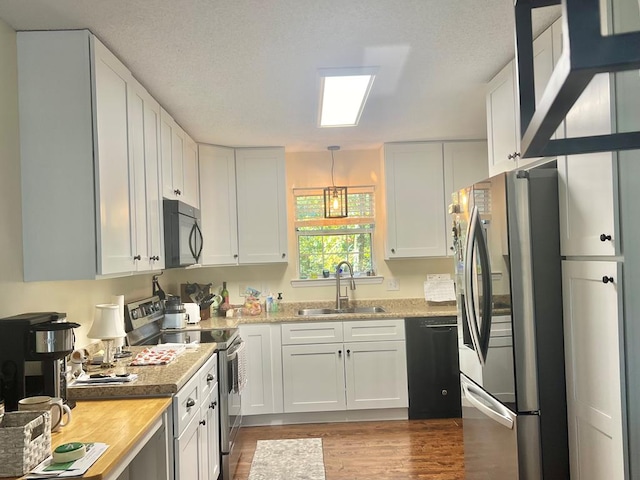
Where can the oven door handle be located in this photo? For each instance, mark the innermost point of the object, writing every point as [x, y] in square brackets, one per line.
[234, 353]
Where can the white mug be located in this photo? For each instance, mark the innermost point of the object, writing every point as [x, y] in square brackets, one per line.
[54, 404]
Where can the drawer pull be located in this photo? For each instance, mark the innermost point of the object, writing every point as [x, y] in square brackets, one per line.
[213, 405]
[209, 378]
[190, 402]
[606, 279]
[604, 238]
[203, 422]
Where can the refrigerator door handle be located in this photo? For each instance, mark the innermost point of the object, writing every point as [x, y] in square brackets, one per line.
[495, 411]
[469, 299]
[475, 238]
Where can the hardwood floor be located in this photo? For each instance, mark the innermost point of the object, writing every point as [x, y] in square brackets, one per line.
[404, 449]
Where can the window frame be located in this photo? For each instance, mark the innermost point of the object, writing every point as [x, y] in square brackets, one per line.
[368, 222]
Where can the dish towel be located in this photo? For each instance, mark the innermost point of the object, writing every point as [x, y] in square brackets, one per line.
[242, 367]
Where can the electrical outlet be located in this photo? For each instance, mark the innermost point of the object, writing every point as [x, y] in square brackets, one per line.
[392, 284]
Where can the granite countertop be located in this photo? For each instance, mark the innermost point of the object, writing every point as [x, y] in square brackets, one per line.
[400, 308]
[152, 381]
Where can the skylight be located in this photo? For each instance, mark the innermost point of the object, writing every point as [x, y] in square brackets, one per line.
[343, 93]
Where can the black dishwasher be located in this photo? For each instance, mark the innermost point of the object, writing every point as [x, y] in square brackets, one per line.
[432, 367]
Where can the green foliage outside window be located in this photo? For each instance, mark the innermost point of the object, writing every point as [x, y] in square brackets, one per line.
[322, 244]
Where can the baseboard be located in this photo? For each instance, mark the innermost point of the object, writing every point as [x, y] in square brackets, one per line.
[325, 417]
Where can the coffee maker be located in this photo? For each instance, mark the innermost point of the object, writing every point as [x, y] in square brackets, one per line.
[33, 351]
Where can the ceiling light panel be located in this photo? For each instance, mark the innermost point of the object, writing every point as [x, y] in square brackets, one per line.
[343, 93]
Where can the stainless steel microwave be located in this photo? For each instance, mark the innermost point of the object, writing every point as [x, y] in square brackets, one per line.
[182, 234]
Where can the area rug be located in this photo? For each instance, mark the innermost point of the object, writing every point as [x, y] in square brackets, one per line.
[291, 459]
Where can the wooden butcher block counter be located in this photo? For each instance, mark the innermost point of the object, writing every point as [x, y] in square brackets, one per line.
[126, 425]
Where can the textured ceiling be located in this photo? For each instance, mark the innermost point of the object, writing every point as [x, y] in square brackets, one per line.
[244, 72]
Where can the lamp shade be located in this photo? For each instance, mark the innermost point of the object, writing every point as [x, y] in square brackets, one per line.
[106, 323]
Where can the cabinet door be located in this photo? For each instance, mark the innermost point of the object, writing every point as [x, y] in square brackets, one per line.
[115, 226]
[414, 180]
[263, 391]
[137, 175]
[153, 185]
[211, 447]
[593, 339]
[313, 377]
[465, 163]
[172, 151]
[191, 194]
[218, 205]
[542, 69]
[146, 207]
[187, 452]
[503, 124]
[588, 199]
[262, 206]
[376, 375]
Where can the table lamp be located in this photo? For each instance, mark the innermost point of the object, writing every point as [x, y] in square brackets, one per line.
[107, 326]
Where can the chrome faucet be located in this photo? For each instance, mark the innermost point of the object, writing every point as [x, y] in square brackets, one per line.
[345, 298]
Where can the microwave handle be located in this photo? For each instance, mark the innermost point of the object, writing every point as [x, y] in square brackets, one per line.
[193, 242]
[199, 233]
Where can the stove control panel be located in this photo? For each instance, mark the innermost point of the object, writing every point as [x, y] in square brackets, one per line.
[142, 312]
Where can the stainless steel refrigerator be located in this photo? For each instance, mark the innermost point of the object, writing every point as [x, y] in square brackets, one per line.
[511, 349]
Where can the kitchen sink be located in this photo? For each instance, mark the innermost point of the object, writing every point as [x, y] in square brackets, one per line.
[323, 312]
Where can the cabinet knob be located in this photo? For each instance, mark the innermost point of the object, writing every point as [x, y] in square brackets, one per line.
[235, 255]
[209, 378]
[604, 238]
[202, 422]
[213, 404]
[606, 279]
[513, 156]
[177, 192]
[444, 393]
[451, 248]
[348, 352]
[339, 352]
[284, 255]
[393, 250]
[137, 257]
[190, 402]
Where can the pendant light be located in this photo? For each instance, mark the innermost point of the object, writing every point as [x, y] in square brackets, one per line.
[335, 198]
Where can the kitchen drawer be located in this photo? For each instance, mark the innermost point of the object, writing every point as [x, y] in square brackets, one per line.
[186, 404]
[208, 377]
[373, 330]
[310, 333]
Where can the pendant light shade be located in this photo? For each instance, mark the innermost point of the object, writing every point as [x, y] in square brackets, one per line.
[335, 198]
[335, 202]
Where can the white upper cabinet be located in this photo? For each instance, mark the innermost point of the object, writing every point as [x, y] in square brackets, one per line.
[262, 206]
[465, 163]
[77, 199]
[179, 155]
[218, 205]
[243, 205]
[503, 122]
[503, 111]
[144, 145]
[190, 172]
[415, 200]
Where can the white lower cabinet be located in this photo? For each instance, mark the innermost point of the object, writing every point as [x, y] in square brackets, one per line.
[368, 371]
[263, 391]
[593, 338]
[196, 427]
[375, 375]
[313, 377]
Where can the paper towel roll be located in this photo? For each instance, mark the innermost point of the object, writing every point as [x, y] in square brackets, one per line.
[119, 300]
